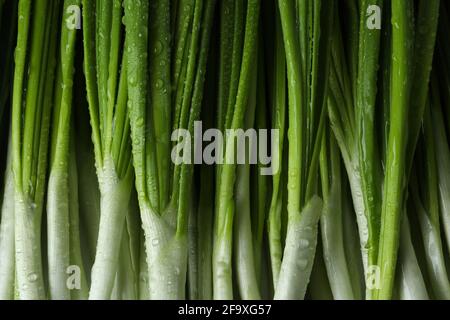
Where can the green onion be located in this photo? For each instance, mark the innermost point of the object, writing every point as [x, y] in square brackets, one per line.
[108, 105]
[223, 225]
[62, 193]
[105, 65]
[279, 122]
[7, 251]
[8, 26]
[331, 223]
[394, 187]
[35, 52]
[164, 219]
[307, 84]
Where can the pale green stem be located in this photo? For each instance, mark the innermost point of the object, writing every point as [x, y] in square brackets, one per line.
[166, 257]
[352, 249]
[411, 285]
[243, 246]
[114, 202]
[76, 259]
[333, 244]
[144, 290]
[246, 270]
[125, 287]
[28, 249]
[7, 234]
[58, 246]
[193, 253]
[433, 253]
[299, 252]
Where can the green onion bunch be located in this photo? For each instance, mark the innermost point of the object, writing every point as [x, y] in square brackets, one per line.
[110, 112]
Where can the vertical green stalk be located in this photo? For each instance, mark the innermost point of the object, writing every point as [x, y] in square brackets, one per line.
[296, 96]
[205, 224]
[259, 179]
[30, 126]
[80, 290]
[307, 110]
[246, 276]
[107, 91]
[205, 210]
[425, 40]
[369, 161]
[442, 160]
[165, 228]
[58, 196]
[352, 246]
[88, 190]
[395, 179]
[411, 285]
[193, 252]
[160, 93]
[331, 222]
[227, 14]
[279, 122]
[224, 211]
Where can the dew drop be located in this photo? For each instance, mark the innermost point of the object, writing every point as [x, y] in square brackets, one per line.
[32, 277]
[140, 122]
[158, 47]
[159, 84]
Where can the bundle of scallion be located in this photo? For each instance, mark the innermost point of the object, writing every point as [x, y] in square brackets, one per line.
[232, 149]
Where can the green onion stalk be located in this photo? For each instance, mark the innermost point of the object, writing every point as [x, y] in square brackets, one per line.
[369, 163]
[424, 46]
[35, 59]
[243, 241]
[352, 102]
[202, 283]
[307, 47]
[165, 92]
[278, 105]
[261, 180]
[442, 160]
[7, 250]
[331, 223]
[63, 240]
[442, 65]
[395, 184]
[232, 115]
[441, 117]
[105, 70]
[88, 189]
[410, 74]
[425, 196]
[126, 286]
[8, 26]
[357, 89]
